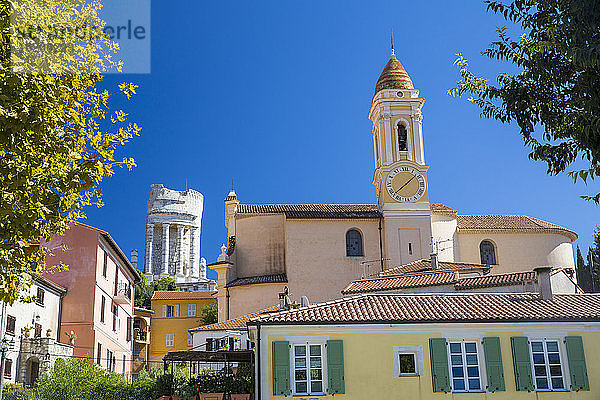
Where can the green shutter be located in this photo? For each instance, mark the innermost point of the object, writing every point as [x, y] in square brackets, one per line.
[335, 367]
[281, 368]
[577, 368]
[522, 363]
[493, 364]
[439, 365]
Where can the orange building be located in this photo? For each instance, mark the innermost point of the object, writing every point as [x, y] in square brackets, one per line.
[98, 306]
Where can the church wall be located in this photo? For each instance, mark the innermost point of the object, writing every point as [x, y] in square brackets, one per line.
[316, 260]
[251, 298]
[519, 251]
[444, 233]
[260, 245]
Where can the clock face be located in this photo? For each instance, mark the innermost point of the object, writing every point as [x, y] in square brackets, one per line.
[405, 184]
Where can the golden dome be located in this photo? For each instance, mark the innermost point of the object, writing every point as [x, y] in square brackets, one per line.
[393, 76]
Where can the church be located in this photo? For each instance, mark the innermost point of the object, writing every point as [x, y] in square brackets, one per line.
[317, 249]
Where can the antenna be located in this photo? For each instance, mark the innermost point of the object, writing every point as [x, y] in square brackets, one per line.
[392, 40]
[186, 188]
[231, 183]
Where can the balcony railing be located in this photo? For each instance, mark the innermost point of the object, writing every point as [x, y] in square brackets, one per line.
[141, 336]
[123, 293]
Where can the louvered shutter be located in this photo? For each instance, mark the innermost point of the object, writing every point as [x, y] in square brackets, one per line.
[335, 367]
[493, 364]
[176, 311]
[281, 368]
[164, 310]
[522, 363]
[439, 365]
[577, 367]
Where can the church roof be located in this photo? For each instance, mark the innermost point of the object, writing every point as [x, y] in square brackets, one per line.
[394, 76]
[451, 307]
[511, 223]
[425, 265]
[252, 280]
[313, 210]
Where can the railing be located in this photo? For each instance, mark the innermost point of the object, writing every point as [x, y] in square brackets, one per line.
[141, 336]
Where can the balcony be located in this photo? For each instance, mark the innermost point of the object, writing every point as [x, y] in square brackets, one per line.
[123, 295]
[140, 336]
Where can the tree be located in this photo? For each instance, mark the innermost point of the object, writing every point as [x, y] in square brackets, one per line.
[143, 291]
[593, 258]
[584, 277]
[58, 134]
[209, 314]
[556, 86]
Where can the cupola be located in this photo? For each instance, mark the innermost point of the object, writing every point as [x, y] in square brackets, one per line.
[394, 76]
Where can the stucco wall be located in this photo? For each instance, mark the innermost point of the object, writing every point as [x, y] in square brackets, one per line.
[317, 265]
[444, 233]
[251, 298]
[368, 358]
[260, 245]
[519, 252]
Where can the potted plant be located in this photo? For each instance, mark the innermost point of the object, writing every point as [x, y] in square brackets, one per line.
[26, 330]
[48, 332]
[72, 337]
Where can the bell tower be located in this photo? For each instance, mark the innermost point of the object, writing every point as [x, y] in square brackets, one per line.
[400, 176]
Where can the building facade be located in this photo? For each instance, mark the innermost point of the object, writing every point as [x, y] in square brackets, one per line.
[275, 245]
[142, 320]
[98, 306]
[419, 346]
[31, 331]
[174, 313]
[173, 223]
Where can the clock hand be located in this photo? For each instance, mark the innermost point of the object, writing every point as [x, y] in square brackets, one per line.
[400, 188]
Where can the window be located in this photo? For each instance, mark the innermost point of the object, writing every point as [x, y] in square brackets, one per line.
[171, 310]
[39, 298]
[105, 264]
[38, 330]
[7, 368]
[99, 360]
[402, 135]
[464, 367]
[10, 324]
[487, 252]
[308, 369]
[102, 307]
[123, 364]
[109, 358]
[191, 310]
[547, 368]
[354, 244]
[408, 365]
[129, 329]
[170, 339]
[209, 344]
[190, 339]
[408, 360]
[115, 311]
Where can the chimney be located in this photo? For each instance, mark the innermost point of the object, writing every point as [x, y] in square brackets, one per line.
[134, 258]
[284, 300]
[434, 261]
[304, 301]
[544, 285]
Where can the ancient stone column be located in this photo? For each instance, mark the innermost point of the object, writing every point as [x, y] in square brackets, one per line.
[149, 244]
[165, 249]
[180, 250]
[194, 248]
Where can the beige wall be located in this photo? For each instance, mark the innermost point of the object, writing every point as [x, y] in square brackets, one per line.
[519, 252]
[260, 245]
[444, 232]
[251, 298]
[316, 260]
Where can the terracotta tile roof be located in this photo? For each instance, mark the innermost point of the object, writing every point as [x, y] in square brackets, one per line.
[509, 223]
[251, 280]
[455, 307]
[513, 278]
[443, 210]
[401, 282]
[183, 295]
[425, 265]
[234, 323]
[310, 211]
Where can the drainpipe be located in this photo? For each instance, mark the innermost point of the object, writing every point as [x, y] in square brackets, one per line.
[258, 390]
[380, 245]
[60, 306]
[227, 289]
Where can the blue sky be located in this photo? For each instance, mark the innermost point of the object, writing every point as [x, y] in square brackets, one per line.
[275, 95]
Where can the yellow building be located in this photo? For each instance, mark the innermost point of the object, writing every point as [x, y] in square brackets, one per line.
[174, 314]
[432, 346]
[141, 340]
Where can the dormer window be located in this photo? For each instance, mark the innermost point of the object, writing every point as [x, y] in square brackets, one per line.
[402, 137]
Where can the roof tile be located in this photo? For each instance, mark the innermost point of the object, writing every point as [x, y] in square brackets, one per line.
[401, 282]
[234, 323]
[251, 280]
[425, 265]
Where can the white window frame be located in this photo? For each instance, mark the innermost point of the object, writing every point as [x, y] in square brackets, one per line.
[191, 312]
[170, 338]
[416, 351]
[190, 339]
[563, 364]
[480, 365]
[309, 343]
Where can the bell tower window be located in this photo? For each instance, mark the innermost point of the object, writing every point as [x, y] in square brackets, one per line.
[354, 243]
[402, 137]
[487, 252]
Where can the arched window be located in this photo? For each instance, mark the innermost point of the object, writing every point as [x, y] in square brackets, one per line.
[402, 135]
[487, 252]
[354, 244]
